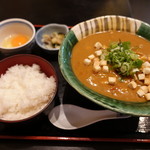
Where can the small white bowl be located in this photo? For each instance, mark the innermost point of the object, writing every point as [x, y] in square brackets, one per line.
[48, 29]
[16, 26]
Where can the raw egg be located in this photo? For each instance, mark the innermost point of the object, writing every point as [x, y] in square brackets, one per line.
[14, 41]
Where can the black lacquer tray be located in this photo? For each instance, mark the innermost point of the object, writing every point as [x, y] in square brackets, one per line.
[39, 128]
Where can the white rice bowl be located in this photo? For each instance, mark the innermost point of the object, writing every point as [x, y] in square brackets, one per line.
[24, 91]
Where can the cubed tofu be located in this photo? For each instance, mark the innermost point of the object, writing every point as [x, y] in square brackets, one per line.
[98, 53]
[141, 76]
[147, 81]
[148, 88]
[91, 56]
[96, 66]
[87, 61]
[144, 88]
[146, 70]
[147, 96]
[105, 69]
[132, 85]
[96, 60]
[112, 80]
[103, 63]
[98, 45]
[135, 70]
[140, 93]
[146, 64]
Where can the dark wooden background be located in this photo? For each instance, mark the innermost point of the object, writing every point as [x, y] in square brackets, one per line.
[71, 12]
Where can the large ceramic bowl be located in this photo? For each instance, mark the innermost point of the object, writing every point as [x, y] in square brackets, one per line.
[83, 29]
[25, 59]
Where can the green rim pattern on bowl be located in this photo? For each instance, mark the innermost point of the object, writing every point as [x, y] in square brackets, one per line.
[100, 24]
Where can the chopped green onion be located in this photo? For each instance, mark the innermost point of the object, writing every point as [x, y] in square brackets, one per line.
[122, 58]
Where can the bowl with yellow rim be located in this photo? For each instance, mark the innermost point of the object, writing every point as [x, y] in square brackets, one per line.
[94, 26]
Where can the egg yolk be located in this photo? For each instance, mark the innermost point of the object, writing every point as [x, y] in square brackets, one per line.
[18, 40]
[14, 41]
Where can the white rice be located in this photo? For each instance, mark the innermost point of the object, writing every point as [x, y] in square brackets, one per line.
[24, 90]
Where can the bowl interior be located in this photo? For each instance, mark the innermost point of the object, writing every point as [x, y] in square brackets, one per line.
[28, 59]
[48, 29]
[100, 24]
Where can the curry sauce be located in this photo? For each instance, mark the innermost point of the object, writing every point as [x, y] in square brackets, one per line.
[99, 81]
